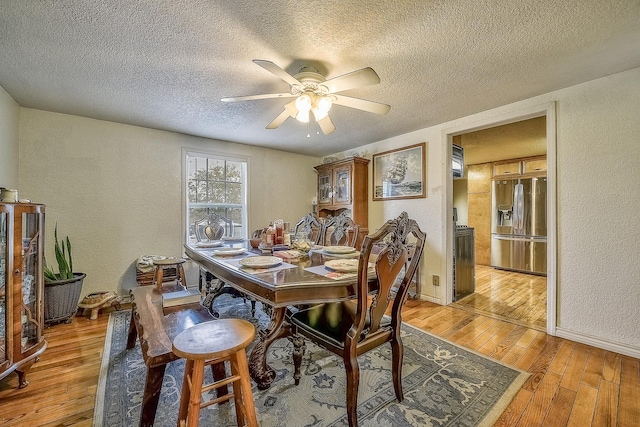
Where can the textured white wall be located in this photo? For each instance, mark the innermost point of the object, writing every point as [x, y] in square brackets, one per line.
[598, 208]
[598, 187]
[116, 189]
[9, 114]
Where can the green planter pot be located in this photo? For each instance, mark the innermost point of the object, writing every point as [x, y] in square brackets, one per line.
[61, 298]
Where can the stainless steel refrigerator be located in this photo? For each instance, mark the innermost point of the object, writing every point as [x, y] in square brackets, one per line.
[519, 224]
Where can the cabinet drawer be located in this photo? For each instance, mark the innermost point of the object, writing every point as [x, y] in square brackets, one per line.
[506, 169]
[534, 166]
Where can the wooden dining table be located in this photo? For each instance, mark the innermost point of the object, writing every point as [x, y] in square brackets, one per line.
[294, 282]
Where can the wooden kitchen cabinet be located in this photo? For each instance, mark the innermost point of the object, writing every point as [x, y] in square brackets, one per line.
[21, 288]
[505, 169]
[342, 187]
[531, 166]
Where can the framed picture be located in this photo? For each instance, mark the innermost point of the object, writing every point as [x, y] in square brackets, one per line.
[400, 173]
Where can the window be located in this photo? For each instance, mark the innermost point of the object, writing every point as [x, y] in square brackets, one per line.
[215, 184]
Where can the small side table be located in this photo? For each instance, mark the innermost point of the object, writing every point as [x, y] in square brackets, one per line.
[169, 263]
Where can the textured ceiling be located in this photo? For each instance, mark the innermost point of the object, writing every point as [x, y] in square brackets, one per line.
[166, 64]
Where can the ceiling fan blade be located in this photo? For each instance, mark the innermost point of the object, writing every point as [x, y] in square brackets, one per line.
[254, 97]
[278, 120]
[326, 125]
[277, 71]
[361, 104]
[359, 78]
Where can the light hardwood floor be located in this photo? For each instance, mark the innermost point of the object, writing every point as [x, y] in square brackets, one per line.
[571, 384]
[506, 295]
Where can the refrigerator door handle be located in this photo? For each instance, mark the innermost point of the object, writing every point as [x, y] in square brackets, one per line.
[520, 202]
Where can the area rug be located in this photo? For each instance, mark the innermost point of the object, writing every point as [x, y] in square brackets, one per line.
[444, 384]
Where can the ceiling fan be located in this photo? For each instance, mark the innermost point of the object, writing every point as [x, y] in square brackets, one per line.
[315, 94]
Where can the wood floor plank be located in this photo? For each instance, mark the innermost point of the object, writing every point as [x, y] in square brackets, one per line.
[537, 409]
[606, 405]
[573, 373]
[593, 368]
[560, 407]
[561, 360]
[514, 411]
[629, 404]
[540, 364]
[507, 343]
[532, 351]
[584, 407]
[611, 367]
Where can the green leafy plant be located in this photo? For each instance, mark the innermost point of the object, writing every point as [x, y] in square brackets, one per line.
[63, 257]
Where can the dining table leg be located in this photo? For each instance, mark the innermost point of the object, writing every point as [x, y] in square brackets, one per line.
[259, 369]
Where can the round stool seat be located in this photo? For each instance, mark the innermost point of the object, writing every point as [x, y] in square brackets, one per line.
[169, 261]
[214, 339]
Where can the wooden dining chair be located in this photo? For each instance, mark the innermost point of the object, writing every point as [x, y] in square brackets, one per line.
[311, 226]
[351, 328]
[213, 227]
[340, 230]
[216, 227]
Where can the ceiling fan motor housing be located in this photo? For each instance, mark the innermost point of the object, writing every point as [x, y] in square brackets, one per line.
[310, 79]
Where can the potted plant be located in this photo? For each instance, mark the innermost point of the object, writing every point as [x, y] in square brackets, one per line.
[62, 289]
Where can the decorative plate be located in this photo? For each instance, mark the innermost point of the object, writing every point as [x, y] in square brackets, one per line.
[232, 239]
[229, 251]
[213, 244]
[261, 261]
[339, 249]
[343, 265]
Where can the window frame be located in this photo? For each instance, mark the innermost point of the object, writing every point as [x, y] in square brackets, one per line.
[188, 153]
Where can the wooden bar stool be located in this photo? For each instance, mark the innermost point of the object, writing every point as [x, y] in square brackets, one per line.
[209, 343]
[165, 264]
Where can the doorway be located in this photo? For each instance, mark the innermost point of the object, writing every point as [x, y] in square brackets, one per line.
[521, 298]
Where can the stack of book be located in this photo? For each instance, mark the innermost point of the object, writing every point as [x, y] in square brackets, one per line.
[187, 296]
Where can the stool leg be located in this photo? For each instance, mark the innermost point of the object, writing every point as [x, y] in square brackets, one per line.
[158, 278]
[239, 367]
[186, 393]
[196, 393]
[181, 275]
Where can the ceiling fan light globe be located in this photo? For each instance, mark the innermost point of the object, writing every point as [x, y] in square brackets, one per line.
[303, 116]
[303, 103]
[323, 104]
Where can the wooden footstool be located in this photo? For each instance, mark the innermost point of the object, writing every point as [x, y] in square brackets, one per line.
[97, 301]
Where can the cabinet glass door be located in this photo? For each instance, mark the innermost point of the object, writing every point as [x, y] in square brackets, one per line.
[3, 281]
[342, 186]
[30, 268]
[324, 188]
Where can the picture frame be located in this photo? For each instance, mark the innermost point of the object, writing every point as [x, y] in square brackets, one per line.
[400, 173]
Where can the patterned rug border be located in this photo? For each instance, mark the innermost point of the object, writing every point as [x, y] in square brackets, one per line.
[495, 412]
[509, 393]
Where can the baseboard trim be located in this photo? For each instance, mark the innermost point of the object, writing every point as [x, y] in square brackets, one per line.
[600, 343]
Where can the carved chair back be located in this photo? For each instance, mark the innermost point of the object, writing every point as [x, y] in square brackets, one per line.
[311, 226]
[213, 227]
[340, 230]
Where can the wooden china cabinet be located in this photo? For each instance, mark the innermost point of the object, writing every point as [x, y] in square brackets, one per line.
[343, 187]
[21, 288]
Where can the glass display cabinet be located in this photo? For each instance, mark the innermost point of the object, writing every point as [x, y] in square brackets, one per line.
[21, 288]
[343, 187]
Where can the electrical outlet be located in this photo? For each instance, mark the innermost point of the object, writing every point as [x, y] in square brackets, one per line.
[436, 280]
